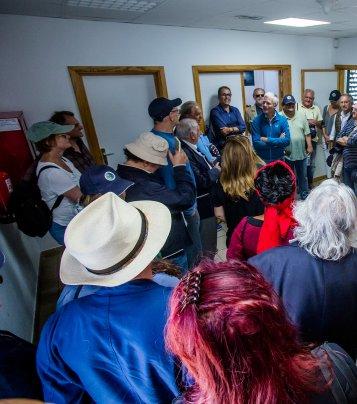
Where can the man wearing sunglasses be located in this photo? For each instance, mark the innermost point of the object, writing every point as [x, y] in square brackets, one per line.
[225, 119]
[256, 109]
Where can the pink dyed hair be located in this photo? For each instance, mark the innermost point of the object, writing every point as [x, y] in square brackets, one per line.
[236, 341]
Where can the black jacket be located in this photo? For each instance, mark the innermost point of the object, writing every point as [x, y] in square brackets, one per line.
[150, 187]
[205, 177]
[320, 296]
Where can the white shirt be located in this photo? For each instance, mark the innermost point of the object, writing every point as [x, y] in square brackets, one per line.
[344, 119]
[54, 182]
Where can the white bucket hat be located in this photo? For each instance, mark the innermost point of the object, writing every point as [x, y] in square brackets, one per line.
[150, 147]
[111, 241]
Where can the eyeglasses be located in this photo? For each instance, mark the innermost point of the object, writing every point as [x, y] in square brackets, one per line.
[226, 95]
[259, 95]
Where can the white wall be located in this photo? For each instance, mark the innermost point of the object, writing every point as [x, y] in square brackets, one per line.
[35, 53]
[346, 52]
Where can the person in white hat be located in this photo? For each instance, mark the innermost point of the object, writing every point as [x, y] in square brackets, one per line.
[109, 346]
[144, 157]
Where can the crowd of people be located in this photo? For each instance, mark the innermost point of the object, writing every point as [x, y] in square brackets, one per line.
[274, 323]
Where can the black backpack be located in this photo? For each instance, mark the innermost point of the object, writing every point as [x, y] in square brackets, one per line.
[33, 216]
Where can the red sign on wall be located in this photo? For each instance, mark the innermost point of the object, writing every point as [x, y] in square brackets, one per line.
[16, 155]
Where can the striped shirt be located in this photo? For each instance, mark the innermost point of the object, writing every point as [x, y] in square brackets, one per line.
[350, 151]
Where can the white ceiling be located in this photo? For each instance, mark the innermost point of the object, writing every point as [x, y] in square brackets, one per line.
[217, 14]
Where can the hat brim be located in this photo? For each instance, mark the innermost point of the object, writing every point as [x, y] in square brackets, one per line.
[72, 272]
[138, 152]
[120, 186]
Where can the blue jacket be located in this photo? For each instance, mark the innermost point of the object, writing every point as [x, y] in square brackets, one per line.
[108, 347]
[274, 148]
[320, 296]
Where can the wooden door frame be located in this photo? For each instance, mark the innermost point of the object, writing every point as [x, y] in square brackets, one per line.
[284, 77]
[341, 74]
[303, 71]
[78, 72]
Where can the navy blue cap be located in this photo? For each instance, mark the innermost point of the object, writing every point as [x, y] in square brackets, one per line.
[288, 99]
[335, 95]
[161, 107]
[102, 179]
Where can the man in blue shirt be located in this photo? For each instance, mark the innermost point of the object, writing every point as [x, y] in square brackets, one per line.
[225, 119]
[166, 114]
[108, 347]
[270, 131]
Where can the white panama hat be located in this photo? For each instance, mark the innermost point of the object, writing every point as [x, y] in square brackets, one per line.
[111, 241]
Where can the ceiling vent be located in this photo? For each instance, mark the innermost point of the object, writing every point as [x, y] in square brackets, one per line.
[249, 17]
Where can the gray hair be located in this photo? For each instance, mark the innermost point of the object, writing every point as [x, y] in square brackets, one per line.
[308, 90]
[349, 96]
[327, 221]
[272, 97]
[185, 127]
[186, 108]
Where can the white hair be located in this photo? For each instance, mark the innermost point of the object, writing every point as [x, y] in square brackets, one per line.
[185, 127]
[327, 221]
[272, 97]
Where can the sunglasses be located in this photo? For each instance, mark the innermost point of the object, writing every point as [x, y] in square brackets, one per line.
[259, 95]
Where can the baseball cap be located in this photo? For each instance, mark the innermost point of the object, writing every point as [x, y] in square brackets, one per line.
[41, 130]
[161, 107]
[150, 147]
[335, 95]
[288, 99]
[102, 179]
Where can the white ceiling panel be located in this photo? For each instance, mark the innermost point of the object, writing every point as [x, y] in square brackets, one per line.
[219, 14]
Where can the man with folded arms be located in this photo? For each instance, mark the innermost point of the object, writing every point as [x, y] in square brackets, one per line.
[109, 346]
[225, 119]
[300, 143]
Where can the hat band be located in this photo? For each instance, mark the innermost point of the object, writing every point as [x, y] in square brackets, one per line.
[133, 253]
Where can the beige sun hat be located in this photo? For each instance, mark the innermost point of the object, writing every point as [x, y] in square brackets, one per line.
[150, 147]
[111, 241]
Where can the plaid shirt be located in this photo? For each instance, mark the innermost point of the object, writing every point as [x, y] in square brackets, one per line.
[81, 160]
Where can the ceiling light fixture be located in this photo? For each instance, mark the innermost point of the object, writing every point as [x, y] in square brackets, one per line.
[297, 22]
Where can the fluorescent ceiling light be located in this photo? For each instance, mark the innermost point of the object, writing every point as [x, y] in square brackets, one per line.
[297, 22]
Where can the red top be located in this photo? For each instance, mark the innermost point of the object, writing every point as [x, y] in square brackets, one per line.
[244, 241]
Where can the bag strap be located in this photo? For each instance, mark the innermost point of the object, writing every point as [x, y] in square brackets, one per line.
[345, 365]
[59, 197]
[335, 387]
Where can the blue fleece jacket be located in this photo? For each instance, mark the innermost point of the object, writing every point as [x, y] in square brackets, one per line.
[273, 148]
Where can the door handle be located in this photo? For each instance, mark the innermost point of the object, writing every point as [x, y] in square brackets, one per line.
[105, 154]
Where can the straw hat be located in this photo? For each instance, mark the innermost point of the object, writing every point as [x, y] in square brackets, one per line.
[111, 241]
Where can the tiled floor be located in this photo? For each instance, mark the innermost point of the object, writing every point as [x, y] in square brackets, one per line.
[221, 243]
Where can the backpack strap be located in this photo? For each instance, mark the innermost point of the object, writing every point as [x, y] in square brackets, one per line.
[342, 390]
[59, 197]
